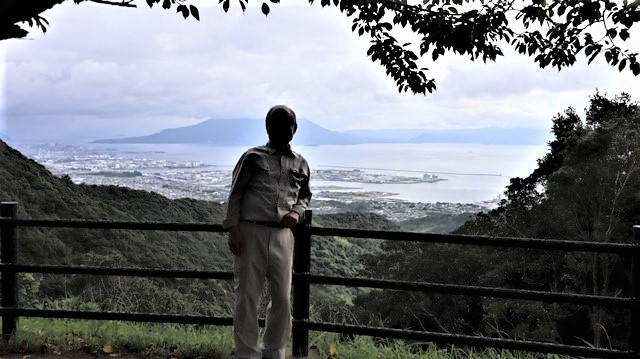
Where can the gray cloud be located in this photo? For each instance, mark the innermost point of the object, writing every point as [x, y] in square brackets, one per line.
[115, 71]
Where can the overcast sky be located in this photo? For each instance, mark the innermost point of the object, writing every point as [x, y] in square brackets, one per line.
[105, 71]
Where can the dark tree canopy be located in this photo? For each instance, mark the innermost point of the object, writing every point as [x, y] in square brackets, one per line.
[553, 32]
[584, 189]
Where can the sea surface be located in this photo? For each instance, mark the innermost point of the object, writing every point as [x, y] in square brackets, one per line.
[472, 172]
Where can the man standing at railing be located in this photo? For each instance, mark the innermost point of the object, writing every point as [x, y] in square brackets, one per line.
[269, 194]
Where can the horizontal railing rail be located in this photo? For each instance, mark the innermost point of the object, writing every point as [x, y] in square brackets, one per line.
[469, 290]
[130, 272]
[95, 224]
[513, 242]
[303, 279]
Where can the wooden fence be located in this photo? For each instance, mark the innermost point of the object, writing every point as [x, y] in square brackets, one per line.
[303, 279]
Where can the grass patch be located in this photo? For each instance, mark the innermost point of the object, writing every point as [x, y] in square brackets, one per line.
[112, 338]
[67, 337]
[331, 346]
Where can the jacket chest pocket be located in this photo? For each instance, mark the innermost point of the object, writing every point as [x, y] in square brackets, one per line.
[296, 178]
[262, 165]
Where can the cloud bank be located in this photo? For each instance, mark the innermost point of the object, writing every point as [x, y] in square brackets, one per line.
[104, 71]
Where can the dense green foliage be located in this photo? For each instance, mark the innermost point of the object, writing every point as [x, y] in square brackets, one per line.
[586, 188]
[436, 222]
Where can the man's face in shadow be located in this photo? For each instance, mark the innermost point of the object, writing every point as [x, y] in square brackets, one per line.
[281, 130]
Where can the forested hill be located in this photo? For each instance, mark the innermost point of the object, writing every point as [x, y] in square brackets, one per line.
[42, 195]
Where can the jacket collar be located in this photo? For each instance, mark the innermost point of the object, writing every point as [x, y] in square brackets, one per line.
[272, 150]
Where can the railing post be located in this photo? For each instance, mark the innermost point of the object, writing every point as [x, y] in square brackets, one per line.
[301, 265]
[634, 335]
[8, 254]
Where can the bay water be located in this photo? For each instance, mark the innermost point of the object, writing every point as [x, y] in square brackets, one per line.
[471, 172]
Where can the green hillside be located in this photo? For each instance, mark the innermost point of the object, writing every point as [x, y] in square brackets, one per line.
[41, 195]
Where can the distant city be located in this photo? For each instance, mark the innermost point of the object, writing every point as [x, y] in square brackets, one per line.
[194, 179]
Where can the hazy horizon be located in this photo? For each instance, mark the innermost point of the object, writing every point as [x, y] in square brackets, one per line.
[310, 133]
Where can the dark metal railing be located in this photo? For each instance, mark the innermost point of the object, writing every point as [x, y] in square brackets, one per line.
[303, 279]
[631, 303]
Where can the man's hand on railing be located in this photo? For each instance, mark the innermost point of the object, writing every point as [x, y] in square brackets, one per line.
[290, 219]
[235, 241]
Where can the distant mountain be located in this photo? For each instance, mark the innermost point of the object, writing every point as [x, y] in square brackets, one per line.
[245, 132]
[232, 132]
